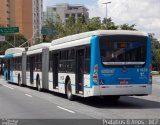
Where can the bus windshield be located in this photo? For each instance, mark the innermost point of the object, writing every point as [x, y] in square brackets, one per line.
[123, 50]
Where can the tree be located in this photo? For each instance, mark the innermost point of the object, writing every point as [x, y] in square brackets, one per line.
[155, 52]
[81, 24]
[94, 24]
[108, 24]
[127, 27]
[19, 40]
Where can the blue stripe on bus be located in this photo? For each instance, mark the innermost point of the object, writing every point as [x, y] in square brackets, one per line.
[8, 56]
[94, 56]
[61, 83]
[72, 84]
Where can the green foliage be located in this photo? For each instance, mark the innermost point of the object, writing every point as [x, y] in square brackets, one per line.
[156, 59]
[128, 27]
[19, 40]
[108, 24]
[81, 24]
[94, 24]
[155, 53]
[74, 26]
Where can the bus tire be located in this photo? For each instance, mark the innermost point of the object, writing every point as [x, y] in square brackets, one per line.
[19, 80]
[69, 91]
[38, 85]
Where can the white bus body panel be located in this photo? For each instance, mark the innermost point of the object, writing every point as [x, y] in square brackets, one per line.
[50, 81]
[61, 82]
[28, 83]
[15, 76]
[141, 89]
[76, 37]
[79, 42]
[14, 50]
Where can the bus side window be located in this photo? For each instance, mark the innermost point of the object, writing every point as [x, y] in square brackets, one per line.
[71, 61]
[63, 61]
[50, 61]
[87, 60]
[28, 63]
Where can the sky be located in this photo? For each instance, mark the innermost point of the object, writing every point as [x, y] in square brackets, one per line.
[144, 13]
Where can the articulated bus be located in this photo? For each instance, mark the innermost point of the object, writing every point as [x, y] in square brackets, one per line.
[13, 65]
[101, 63]
[37, 66]
[104, 63]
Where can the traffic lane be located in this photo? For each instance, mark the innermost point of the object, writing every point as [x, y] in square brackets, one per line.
[127, 107]
[18, 105]
[156, 79]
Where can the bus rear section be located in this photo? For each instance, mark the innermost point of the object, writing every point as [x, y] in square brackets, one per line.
[13, 65]
[121, 65]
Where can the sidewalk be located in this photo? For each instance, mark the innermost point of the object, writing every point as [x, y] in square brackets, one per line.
[1, 77]
[155, 75]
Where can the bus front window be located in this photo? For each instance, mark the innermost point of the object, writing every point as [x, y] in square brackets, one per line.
[123, 50]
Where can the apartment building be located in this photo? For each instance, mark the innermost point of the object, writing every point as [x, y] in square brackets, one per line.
[25, 14]
[49, 15]
[65, 10]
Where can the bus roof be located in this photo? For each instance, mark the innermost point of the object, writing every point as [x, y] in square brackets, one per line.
[1, 56]
[39, 46]
[14, 50]
[97, 32]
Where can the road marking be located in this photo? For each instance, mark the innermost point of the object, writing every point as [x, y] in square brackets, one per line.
[65, 109]
[8, 87]
[28, 95]
[157, 80]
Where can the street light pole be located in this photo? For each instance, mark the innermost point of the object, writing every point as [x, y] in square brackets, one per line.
[106, 8]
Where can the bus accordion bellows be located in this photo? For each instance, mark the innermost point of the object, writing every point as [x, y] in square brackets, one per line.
[97, 63]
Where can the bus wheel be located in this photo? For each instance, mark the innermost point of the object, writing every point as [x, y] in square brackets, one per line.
[19, 81]
[38, 85]
[69, 91]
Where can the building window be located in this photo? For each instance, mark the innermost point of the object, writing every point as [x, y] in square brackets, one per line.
[17, 63]
[54, 9]
[66, 15]
[73, 15]
[7, 5]
[79, 15]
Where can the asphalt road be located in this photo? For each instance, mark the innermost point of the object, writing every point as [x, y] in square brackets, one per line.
[26, 103]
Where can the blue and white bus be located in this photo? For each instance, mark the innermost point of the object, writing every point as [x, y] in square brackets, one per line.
[104, 63]
[13, 65]
[101, 63]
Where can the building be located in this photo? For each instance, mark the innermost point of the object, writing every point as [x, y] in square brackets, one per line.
[25, 14]
[66, 10]
[49, 16]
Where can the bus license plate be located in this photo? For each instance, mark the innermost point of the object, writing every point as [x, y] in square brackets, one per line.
[124, 82]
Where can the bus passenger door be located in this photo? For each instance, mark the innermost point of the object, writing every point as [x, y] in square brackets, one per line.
[80, 71]
[31, 70]
[55, 70]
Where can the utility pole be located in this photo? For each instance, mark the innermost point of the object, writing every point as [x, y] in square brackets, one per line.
[106, 8]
